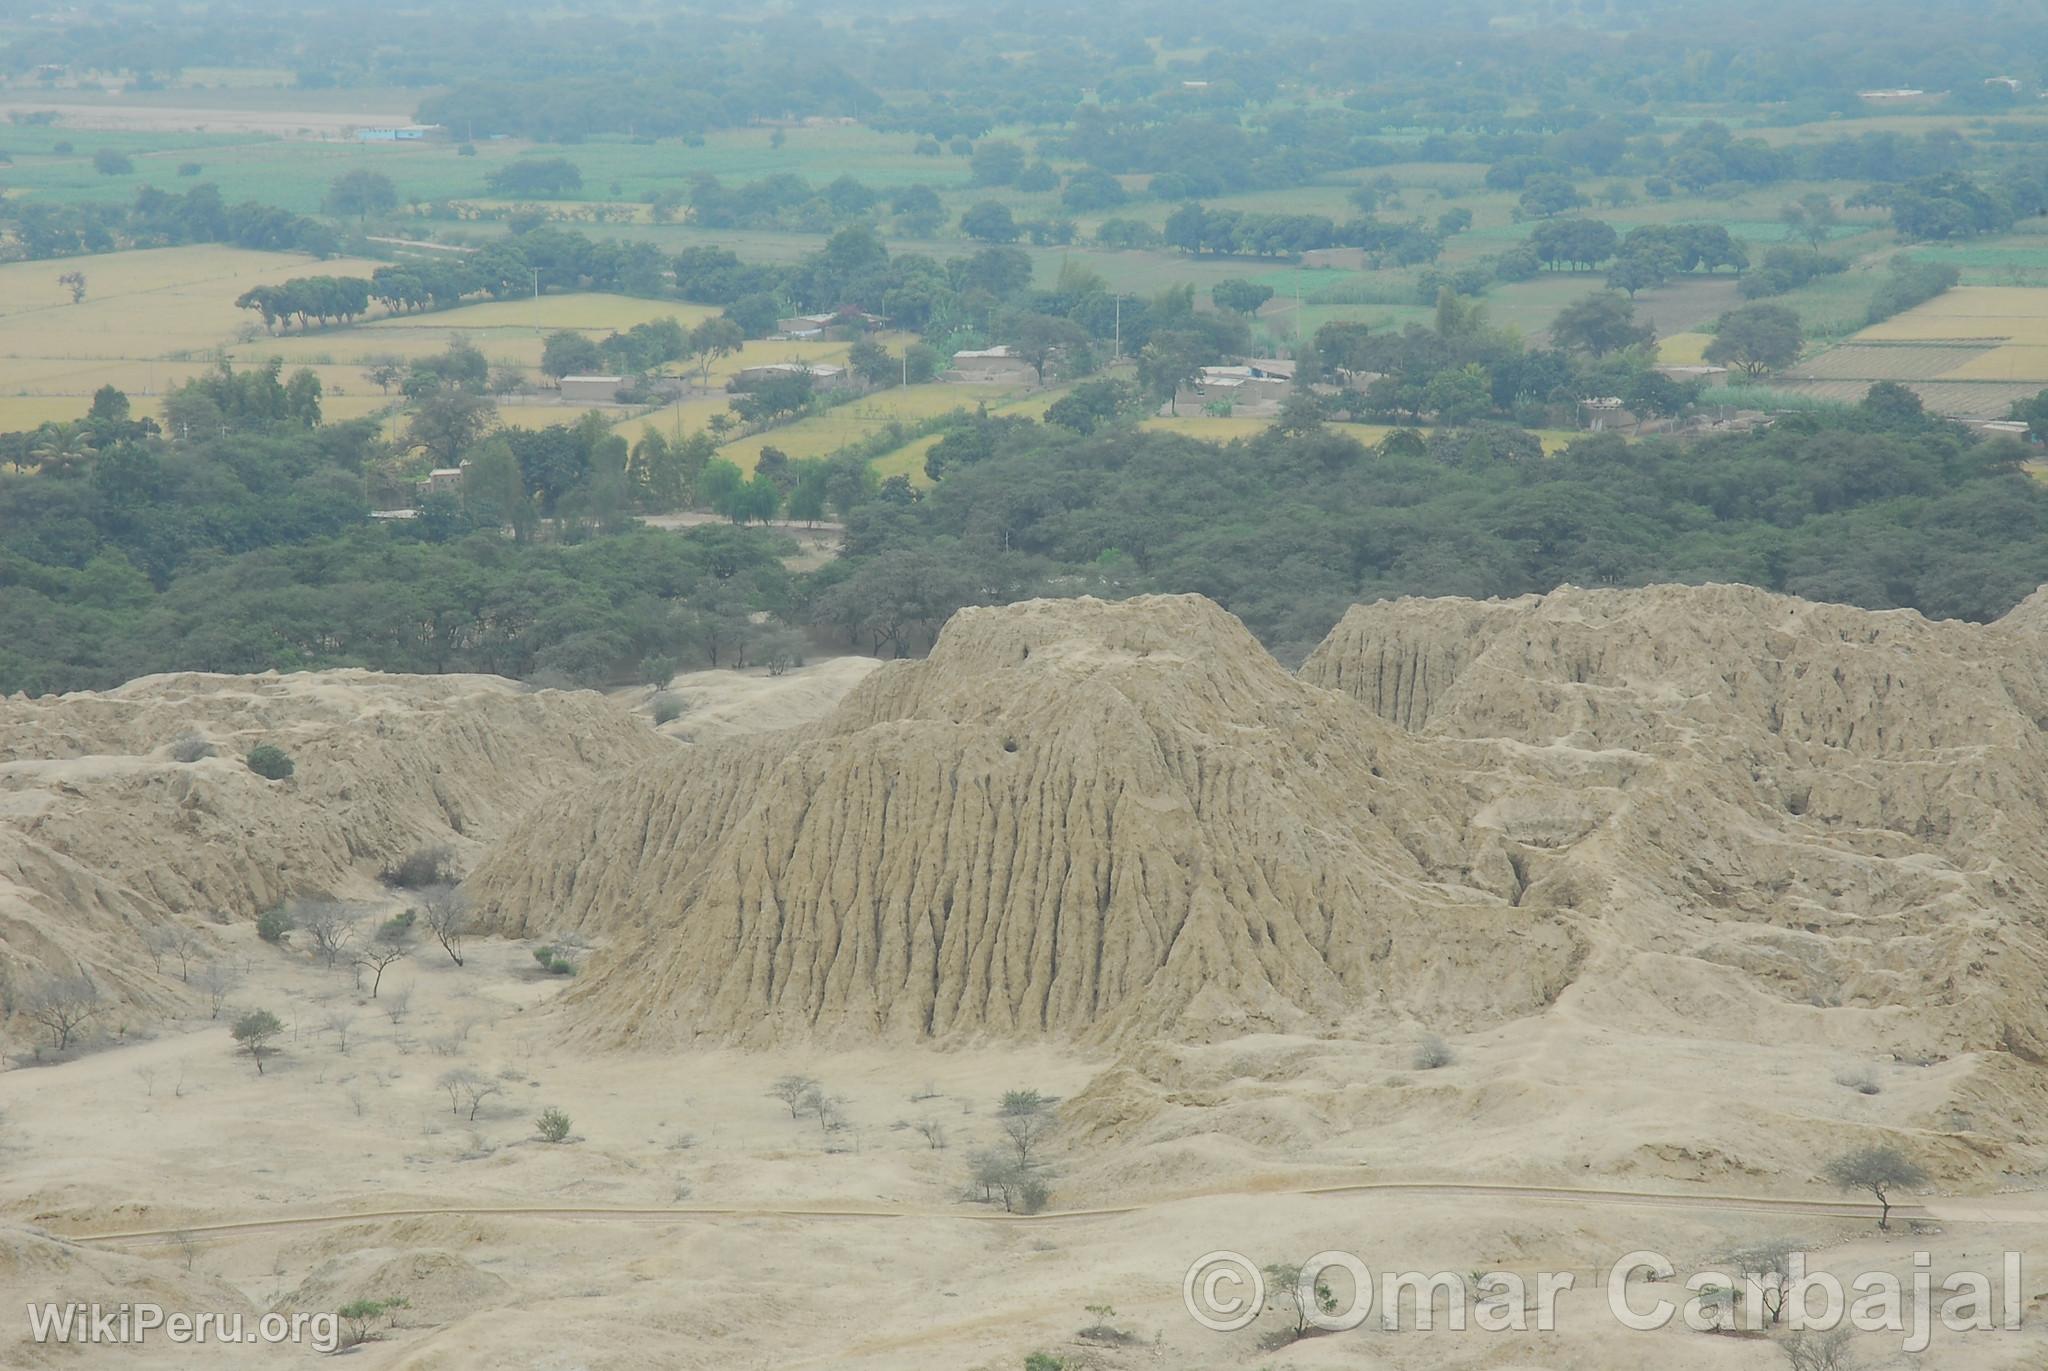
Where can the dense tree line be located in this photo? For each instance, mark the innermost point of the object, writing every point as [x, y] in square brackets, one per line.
[241, 540]
[1878, 506]
[159, 218]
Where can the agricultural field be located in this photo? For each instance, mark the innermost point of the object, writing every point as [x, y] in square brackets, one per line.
[1213, 428]
[155, 318]
[820, 435]
[1969, 353]
[149, 320]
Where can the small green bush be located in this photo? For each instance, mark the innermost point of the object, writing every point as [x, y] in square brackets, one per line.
[269, 762]
[553, 1124]
[274, 925]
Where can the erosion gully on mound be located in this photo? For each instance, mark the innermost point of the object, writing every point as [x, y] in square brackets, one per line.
[1710, 811]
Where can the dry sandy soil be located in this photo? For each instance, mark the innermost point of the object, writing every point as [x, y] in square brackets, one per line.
[1661, 868]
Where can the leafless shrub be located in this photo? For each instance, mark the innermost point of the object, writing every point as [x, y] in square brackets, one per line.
[1025, 1133]
[1768, 1264]
[217, 981]
[329, 923]
[191, 747]
[63, 1006]
[468, 1088]
[398, 1003]
[422, 867]
[446, 912]
[1810, 1350]
[1433, 1052]
[934, 1133]
[339, 1022]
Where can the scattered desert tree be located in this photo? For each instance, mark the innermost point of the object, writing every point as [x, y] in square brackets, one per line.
[1769, 1264]
[553, 1125]
[1024, 1133]
[255, 1031]
[933, 1132]
[1283, 1285]
[339, 1022]
[329, 923]
[376, 958]
[1878, 1169]
[217, 981]
[1811, 1350]
[792, 1091]
[63, 1005]
[469, 1089]
[359, 1318]
[446, 911]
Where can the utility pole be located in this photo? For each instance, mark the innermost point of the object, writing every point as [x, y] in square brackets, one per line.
[1116, 348]
[536, 302]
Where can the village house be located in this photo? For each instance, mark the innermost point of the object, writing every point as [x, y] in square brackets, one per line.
[1256, 385]
[442, 481]
[990, 366]
[815, 325]
[824, 376]
[591, 390]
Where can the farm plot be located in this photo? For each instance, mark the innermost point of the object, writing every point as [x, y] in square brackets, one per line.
[1968, 353]
[149, 320]
[823, 434]
[1890, 361]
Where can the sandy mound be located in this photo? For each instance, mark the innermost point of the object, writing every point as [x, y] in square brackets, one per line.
[1710, 805]
[1760, 800]
[1073, 817]
[104, 833]
[37, 1268]
[438, 1287]
[723, 704]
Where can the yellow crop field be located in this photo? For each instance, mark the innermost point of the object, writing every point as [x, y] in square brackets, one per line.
[849, 423]
[2018, 314]
[2008, 362]
[2012, 320]
[1684, 349]
[1222, 428]
[155, 304]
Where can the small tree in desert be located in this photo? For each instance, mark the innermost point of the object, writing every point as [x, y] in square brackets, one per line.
[63, 1005]
[1767, 1264]
[792, 1091]
[1812, 1350]
[468, 1089]
[1879, 1170]
[255, 1031]
[217, 981]
[376, 958]
[446, 913]
[1283, 1282]
[329, 923]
